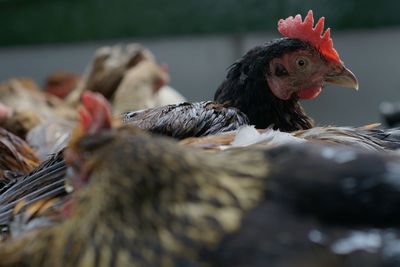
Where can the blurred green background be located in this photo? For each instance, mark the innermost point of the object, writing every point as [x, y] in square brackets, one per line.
[199, 39]
[60, 21]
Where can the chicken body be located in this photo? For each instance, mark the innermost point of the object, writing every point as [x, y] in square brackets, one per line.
[30, 106]
[139, 88]
[187, 119]
[44, 182]
[247, 88]
[150, 202]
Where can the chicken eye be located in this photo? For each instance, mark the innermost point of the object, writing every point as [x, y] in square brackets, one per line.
[301, 62]
[280, 70]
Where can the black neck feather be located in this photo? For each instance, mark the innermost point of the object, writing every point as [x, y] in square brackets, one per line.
[246, 88]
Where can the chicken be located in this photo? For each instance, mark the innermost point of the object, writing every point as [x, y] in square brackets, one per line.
[188, 119]
[48, 180]
[107, 69]
[266, 139]
[265, 85]
[29, 106]
[143, 200]
[39, 118]
[141, 88]
[129, 77]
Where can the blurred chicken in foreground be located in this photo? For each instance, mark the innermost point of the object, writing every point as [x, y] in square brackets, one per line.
[262, 88]
[143, 200]
[144, 86]
[107, 69]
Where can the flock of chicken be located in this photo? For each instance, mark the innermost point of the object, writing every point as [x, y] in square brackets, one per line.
[115, 169]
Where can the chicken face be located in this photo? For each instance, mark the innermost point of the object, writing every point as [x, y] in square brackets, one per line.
[303, 73]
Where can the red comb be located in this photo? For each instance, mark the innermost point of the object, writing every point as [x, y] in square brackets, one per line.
[95, 114]
[305, 30]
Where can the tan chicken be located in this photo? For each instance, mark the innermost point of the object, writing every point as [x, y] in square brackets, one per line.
[262, 88]
[30, 106]
[144, 86]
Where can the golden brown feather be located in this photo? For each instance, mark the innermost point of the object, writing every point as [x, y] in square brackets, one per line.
[15, 154]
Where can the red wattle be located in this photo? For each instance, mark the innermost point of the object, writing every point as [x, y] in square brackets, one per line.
[309, 93]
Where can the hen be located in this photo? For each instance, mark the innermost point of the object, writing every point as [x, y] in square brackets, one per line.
[44, 182]
[263, 87]
[107, 69]
[144, 86]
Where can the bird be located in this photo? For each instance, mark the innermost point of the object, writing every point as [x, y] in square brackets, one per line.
[262, 88]
[47, 180]
[42, 120]
[144, 86]
[143, 200]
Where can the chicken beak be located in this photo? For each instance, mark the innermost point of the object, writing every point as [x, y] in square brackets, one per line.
[344, 77]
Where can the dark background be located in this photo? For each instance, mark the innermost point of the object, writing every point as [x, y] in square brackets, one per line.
[59, 21]
[200, 39]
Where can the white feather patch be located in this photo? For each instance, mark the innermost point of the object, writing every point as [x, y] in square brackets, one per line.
[248, 135]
